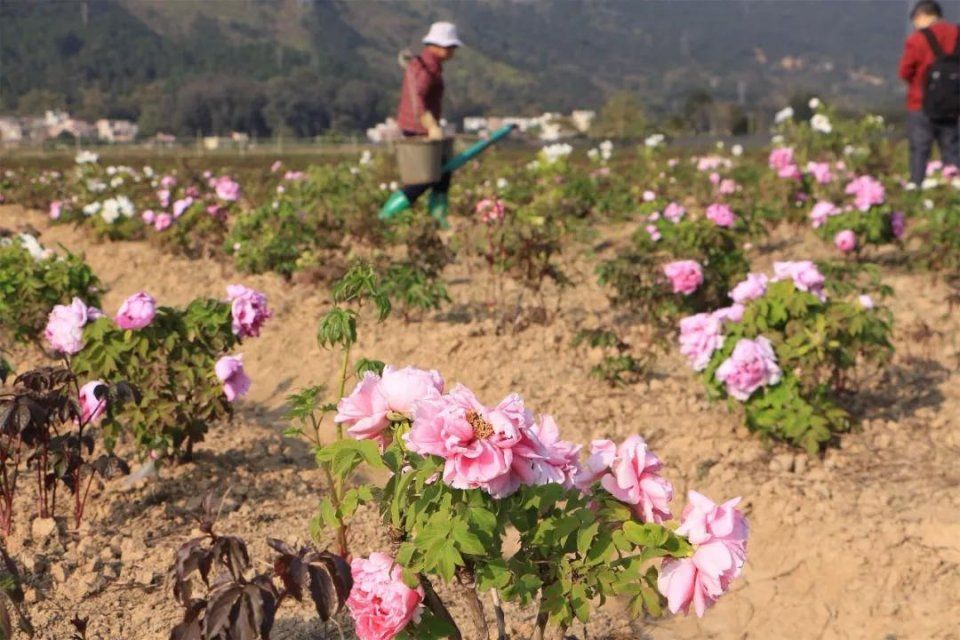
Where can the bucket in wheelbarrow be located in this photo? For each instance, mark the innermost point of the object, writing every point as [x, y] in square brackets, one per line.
[421, 160]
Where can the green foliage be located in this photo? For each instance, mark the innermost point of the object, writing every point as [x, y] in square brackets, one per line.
[639, 284]
[818, 345]
[31, 287]
[938, 232]
[175, 353]
[309, 221]
[618, 367]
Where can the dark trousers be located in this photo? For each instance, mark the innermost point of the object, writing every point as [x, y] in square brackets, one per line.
[922, 132]
[414, 191]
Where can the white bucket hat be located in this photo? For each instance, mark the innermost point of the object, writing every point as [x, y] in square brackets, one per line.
[443, 34]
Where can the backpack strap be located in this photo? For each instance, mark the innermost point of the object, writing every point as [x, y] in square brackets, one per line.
[932, 41]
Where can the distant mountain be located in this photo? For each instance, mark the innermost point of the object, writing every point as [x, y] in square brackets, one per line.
[304, 66]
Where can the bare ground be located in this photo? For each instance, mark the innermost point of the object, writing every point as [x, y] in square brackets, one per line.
[863, 542]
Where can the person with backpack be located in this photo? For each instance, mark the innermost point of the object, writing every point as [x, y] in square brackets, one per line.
[420, 110]
[931, 67]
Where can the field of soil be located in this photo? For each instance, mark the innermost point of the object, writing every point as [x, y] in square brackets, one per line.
[863, 542]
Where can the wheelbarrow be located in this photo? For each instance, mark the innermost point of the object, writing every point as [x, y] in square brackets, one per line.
[398, 202]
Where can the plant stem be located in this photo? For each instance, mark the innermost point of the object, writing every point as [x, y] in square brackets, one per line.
[498, 612]
[476, 611]
[435, 604]
[538, 633]
[343, 384]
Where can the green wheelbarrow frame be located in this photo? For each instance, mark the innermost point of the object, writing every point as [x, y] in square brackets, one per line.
[398, 202]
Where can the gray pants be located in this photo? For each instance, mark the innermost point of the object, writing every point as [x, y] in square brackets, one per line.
[922, 132]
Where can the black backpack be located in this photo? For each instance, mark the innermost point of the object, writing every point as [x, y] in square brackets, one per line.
[941, 100]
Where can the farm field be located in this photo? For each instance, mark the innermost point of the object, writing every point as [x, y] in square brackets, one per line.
[851, 492]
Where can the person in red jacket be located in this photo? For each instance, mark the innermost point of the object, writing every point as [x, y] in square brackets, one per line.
[420, 109]
[916, 60]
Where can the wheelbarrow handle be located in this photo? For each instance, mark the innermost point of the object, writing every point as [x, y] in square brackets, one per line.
[477, 148]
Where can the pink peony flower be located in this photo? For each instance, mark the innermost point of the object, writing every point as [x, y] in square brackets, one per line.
[845, 241]
[490, 210]
[727, 187]
[866, 191]
[821, 211]
[475, 441]
[294, 175]
[136, 312]
[674, 212]
[56, 208]
[275, 166]
[865, 301]
[602, 454]
[752, 364]
[805, 276]
[733, 313]
[64, 330]
[91, 407]
[751, 288]
[719, 534]
[685, 276]
[229, 370]
[226, 188]
[249, 310]
[898, 224]
[700, 336]
[631, 475]
[714, 178]
[790, 172]
[163, 196]
[558, 461]
[180, 206]
[367, 410]
[950, 171]
[380, 602]
[721, 214]
[933, 166]
[164, 220]
[653, 232]
[780, 158]
[167, 181]
[649, 196]
[148, 216]
[820, 171]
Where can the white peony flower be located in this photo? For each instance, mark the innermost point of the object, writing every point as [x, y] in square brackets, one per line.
[814, 103]
[821, 123]
[655, 140]
[783, 115]
[86, 157]
[110, 212]
[737, 150]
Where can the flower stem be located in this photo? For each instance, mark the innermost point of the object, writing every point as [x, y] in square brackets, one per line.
[435, 604]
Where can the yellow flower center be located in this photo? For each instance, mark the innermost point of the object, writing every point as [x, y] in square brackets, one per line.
[481, 428]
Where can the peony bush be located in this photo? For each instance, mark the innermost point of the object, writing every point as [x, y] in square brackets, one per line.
[164, 351]
[33, 279]
[463, 473]
[786, 350]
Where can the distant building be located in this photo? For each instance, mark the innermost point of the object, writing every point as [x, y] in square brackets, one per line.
[164, 139]
[73, 128]
[11, 131]
[116, 130]
[582, 119]
[385, 131]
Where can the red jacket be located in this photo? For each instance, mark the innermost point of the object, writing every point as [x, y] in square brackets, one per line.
[918, 56]
[422, 91]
